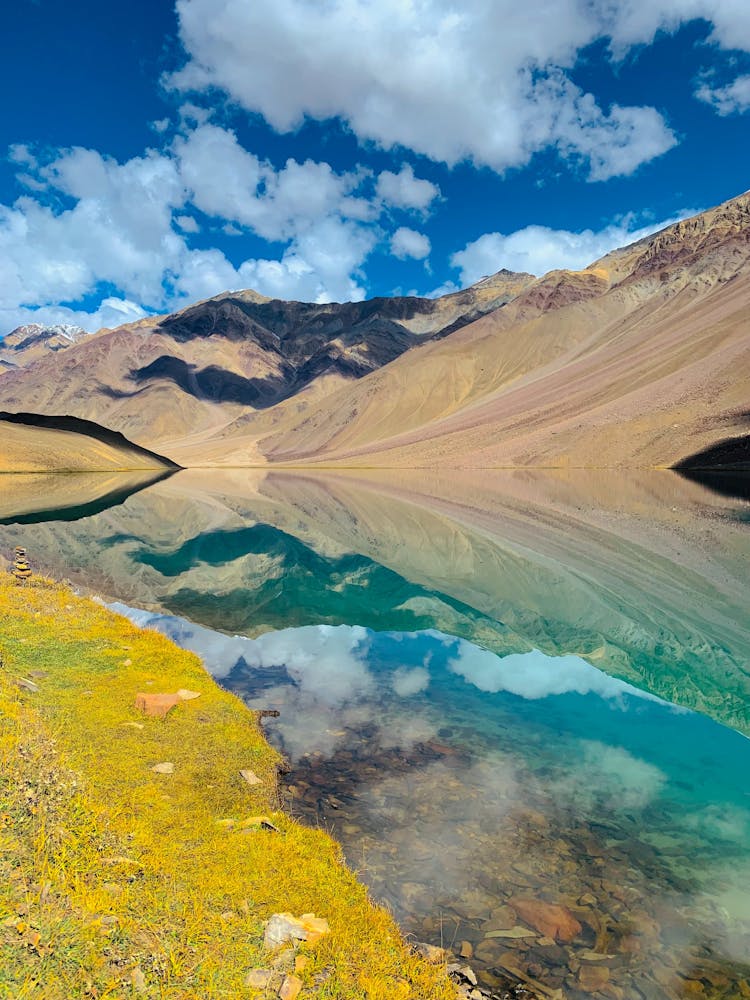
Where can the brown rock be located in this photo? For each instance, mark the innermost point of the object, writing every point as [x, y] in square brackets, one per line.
[250, 777]
[157, 705]
[592, 978]
[466, 950]
[258, 979]
[167, 767]
[290, 988]
[431, 952]
[138, 980]
[693, 988]
[185, 694]
[549, 919]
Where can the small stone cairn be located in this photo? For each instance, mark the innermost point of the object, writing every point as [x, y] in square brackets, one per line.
[20, 568]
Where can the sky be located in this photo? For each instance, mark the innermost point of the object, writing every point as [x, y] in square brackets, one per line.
[156, 153]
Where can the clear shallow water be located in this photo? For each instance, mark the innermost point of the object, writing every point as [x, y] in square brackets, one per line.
[462, 775]
[457, 780]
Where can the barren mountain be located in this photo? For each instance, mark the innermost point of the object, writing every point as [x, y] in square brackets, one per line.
[189, 374]
[33, 443]
[642, 359]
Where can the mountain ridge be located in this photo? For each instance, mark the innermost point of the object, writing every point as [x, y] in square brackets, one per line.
[636, 360]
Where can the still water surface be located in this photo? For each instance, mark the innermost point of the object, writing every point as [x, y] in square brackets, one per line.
[492, 692]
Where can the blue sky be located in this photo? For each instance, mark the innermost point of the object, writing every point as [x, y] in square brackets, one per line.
[155, 154]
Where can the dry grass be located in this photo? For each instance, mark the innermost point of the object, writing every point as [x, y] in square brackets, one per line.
[118, 882]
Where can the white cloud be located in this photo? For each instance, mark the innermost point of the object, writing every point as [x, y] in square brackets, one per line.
[187, 223]
[407, 682]
[409, 243]
[405, 190]
[483, 82]
[90, 221]
[538, 249]
[732, 99]
[534, 674]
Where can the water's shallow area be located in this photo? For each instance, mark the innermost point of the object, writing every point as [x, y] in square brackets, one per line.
[476, 683]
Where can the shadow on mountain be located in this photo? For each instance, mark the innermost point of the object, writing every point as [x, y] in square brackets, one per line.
[724, 468]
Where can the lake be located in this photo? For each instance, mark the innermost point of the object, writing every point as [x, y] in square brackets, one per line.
[519, 700]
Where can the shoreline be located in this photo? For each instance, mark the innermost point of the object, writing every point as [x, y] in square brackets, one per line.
[200, 865]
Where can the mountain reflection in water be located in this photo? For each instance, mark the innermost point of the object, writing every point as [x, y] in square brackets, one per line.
[493, 723]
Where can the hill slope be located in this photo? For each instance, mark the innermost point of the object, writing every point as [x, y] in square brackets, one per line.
[33, 443]
[642, 359]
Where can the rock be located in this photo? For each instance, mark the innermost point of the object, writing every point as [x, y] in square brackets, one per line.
[127, 663]
[550, 919]
[253, 822]
[283, 927]
[156, 705]
[300, 963]
[592, 978]
[167, 767]
[184, 694]
[290, 988]
[466, 950]
[138, 980]
[250, 777]
[431, 953]
[258, 979]
[511, 932]
[27, 685]
[284, 961]
[501, 918]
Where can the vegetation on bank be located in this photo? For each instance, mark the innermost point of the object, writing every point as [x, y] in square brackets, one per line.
[117, 881]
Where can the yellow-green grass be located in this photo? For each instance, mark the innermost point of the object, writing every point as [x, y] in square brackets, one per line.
[116, 881]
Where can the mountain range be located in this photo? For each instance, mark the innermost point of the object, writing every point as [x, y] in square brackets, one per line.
[641, 359]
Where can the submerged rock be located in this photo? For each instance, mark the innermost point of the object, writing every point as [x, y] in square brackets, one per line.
[550, 919]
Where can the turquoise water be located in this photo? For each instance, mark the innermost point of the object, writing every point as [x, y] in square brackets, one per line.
[482, 709]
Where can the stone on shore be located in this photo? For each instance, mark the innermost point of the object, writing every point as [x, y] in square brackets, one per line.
[284, 927]
[156, 705]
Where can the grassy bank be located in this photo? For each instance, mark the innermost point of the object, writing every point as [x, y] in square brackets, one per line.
[118, 881]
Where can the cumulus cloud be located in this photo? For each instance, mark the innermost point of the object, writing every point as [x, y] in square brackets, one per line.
[534, 674]
[405, 190]
[407, 682]
[482, 82]
[538, 249]
[88, 221]
[734, 98]
[409, 243]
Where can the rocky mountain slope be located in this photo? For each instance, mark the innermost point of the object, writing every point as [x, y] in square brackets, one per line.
[33, 443]
[189, 374]
[642, 359]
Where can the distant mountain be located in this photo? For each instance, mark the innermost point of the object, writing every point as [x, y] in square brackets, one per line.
[641, 359]
[29, 343]
[190, 374]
